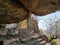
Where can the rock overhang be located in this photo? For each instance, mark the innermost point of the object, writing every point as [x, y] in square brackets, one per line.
[24, 9]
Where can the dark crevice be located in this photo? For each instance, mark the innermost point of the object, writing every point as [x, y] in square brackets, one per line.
[53, 3]
[18, 3]
[1, 42]
[23, 42]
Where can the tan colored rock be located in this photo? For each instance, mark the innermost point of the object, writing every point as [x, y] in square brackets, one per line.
[23, 24]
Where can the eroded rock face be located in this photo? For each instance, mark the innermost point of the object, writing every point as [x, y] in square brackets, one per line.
[41, 7]
[12, 12]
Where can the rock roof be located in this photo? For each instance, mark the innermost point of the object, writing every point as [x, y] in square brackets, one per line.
[14, 11]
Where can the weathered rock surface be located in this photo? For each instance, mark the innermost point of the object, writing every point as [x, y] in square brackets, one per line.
[24, 37]
[12, 12]
[3, 32]
[24, 34]
[32, 24]
[13, 41]
[41, 7]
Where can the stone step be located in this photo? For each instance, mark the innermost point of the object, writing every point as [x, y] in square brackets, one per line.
[29, 38]
[9, 41]
[34, 41]
[26, 31]
[26, 34]
[41, 42]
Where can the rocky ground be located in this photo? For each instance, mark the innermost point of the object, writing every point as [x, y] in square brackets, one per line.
[24, 37]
